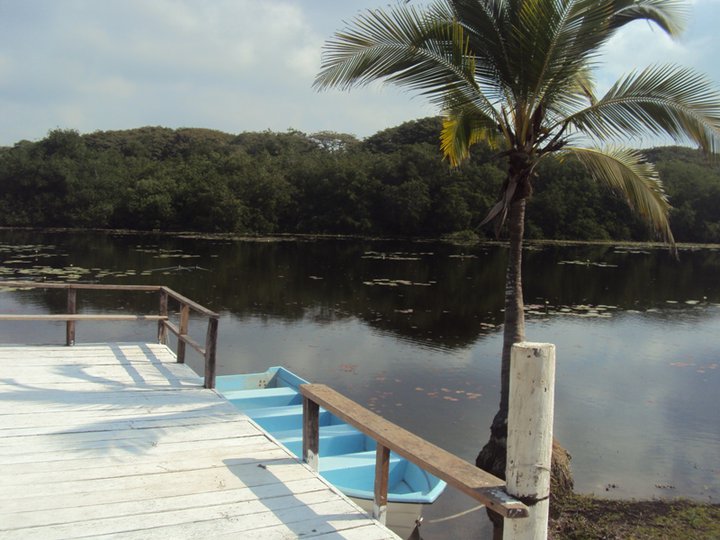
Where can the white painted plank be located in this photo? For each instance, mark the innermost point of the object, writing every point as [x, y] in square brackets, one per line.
[80, 424]
[70, 494]
[366, 532]
[110, 380]
[30, 419]
[33, 402]
[105, 386]
[146, 465]
[102, 439]
[18, 520]
[45, 461]
[291, 506]
[117, 373]
[54, 354]
[75, 355]
[299, 521]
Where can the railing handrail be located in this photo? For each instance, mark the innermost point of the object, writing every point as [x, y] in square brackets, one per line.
[193, 305]
[64, 317]
[119, 287]
[164, 324]
[477, 483]
[78, 286]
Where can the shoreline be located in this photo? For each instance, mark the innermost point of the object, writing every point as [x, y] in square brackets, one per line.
[594, 518]
[286, 237]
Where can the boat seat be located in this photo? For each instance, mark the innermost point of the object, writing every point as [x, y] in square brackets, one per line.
[334, 429]
[259, 398]
[332, 441]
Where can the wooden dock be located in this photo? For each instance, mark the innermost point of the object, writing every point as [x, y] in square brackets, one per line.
[118, 440]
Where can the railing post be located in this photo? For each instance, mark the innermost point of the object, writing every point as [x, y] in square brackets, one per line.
[71, 309]
[311, 432]
[382, 472]
[184, 322]
[529, 441]
[210, 352]
[162, 329]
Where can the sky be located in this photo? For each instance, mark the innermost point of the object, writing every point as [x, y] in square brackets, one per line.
[232, 65]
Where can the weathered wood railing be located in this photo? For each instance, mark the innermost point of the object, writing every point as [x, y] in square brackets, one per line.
[208, 351]
[527, 491]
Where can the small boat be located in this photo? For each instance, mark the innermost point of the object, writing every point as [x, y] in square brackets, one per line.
[346, 455]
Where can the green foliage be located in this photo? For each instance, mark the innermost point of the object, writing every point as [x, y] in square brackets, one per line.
[394, 183]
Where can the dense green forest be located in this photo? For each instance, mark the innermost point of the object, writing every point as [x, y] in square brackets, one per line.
[393, 183]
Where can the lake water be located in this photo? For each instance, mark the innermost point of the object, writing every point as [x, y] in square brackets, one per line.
[412, 331]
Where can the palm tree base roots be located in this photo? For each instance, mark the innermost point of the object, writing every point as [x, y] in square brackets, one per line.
[492, 459]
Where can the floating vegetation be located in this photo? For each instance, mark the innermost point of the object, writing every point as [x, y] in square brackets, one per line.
[449, 394]
[577, 310]
[702, 368]
[160, 253]
[631, 251]
[23, 264]
[395, 256]
[589, 263]
[14, 289]
[28, 248]
[602, 311]
[384, 282]
[175, 256]
[174, 269]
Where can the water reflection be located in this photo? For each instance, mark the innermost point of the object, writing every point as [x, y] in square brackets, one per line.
[643, 411]
[411, 330]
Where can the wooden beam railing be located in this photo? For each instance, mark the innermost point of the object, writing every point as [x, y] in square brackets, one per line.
[208, 350]
[478, 484]
[525, 495]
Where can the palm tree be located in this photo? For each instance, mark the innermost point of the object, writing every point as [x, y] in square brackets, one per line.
[517, 74]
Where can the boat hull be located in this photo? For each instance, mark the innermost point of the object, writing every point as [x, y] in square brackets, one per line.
[346, 455]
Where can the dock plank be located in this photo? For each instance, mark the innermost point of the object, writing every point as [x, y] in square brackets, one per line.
[118, 440]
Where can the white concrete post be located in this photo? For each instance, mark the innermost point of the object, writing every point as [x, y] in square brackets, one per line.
[529, 442]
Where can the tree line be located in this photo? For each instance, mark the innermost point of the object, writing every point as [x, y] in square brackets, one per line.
[393, 183]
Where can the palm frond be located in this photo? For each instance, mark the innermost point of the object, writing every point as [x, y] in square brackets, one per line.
[577, 94]
[463, 128]
[404, 46]
[627, 173]
[661, 101]
[584, 84]
[670, 15]
[487, 25]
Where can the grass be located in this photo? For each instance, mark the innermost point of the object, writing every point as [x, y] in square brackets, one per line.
[588, 518]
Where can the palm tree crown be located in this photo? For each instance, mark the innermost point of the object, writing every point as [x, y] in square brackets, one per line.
[518, 74]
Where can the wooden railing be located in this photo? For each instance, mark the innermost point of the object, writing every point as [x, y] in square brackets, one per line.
[524, 495]
[186, 306]
[478, 484]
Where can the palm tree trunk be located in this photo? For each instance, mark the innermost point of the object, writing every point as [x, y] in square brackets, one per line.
[492, 456]
[514, 323]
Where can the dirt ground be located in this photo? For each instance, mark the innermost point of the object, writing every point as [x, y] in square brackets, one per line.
[588, 518]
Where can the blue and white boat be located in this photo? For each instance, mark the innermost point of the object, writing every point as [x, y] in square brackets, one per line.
[346, 455]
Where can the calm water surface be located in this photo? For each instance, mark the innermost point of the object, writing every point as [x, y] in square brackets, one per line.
[412, 330]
